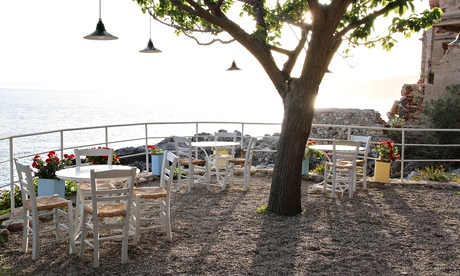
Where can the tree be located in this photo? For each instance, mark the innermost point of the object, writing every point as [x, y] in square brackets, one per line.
[321, 26]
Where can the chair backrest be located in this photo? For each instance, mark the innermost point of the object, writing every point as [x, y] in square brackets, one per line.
[365, 142]
[345, 150]
[119, 194]
[79, 153]
[183, 147]
[26, 182]
[228, 137]
[169, 166]
[250, 151]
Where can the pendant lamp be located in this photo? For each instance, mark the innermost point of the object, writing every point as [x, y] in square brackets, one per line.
[233, 67]
[150, 48]
[100, 33]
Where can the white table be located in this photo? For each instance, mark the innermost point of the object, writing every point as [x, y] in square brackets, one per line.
[83, 173]
[330, 147]
[215, 144]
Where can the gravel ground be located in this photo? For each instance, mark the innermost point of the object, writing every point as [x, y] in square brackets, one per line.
[388, 229]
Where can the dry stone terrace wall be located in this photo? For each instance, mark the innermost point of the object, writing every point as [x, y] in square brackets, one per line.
[266, 146]
[346, 117]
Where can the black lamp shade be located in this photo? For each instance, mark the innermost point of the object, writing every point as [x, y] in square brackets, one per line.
[100, 33]
[233, 67]
[150, 48]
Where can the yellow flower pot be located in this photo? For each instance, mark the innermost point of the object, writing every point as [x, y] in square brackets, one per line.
[382, 171]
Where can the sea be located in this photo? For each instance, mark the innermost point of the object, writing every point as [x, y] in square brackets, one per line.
[25, 111]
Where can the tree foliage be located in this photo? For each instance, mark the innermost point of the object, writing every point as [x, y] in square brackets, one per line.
[320, 26]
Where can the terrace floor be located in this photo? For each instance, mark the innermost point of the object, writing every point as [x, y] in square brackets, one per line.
[388, 229]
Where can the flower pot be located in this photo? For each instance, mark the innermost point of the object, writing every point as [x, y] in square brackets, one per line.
[156, 163]
[382, 171]
[49, 187]
[306, 166]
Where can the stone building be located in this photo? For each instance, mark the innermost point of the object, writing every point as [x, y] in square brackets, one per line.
[440, 64]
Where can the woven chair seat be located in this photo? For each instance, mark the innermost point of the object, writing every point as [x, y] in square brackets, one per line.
[197, 162]
[150, 192]
[87, 186]
[47, 203]
[108, 210]
[341, 165]
[360, 162]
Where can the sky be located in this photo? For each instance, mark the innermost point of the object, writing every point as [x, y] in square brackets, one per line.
[42, 47]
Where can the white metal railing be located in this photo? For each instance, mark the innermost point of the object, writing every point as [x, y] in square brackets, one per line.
[117, 136]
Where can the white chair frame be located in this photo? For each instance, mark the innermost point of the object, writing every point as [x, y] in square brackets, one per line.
[341, 171]
[195, 174]
[36, 207]
[156, 200]
[113, 203]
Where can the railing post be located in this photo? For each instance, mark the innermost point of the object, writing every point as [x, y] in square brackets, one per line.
[403, 137]
[12, 204]
[146, 148]
[62, 143]
[106, 136]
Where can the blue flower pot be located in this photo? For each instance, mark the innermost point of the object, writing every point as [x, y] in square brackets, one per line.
[49, 187]
[156, 161]
[306, 166]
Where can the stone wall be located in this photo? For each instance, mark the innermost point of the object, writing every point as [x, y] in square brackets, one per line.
[345, 117]
[266, 146]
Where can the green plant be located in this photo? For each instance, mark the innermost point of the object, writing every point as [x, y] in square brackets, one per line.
[387, 151]
[436, 174]
[47, 168]
[319, 169]
[70, 188]
[5, 198]
[442, 113]
[396, 122]
[154, 150]
[98, 160]
[262, 209]
[176, 172]
[309, 152]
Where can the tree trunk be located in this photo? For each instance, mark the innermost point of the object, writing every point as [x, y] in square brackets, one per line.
[285, 195]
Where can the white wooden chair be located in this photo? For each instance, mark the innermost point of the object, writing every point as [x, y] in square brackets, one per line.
[114, 203]
[235, 166]
[35, 207]
[196, 170]
[84, 188]
[217, 161]
[79, 153]
[152, 204]
[361, 162]
[340, 173]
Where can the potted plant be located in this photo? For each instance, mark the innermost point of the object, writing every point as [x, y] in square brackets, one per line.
[156, 159]
[45, 171]
[101, 160]
[308, 155]
[388, 153]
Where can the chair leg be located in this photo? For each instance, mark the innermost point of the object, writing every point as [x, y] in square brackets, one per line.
[83, 236]
[364, 175]
[137, 215]
[35, 241]
[25, 232]
[70, 232]
[124, 243]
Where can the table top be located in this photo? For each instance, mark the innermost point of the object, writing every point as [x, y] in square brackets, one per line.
[329, 147]
[214, 144]
[83, 172]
